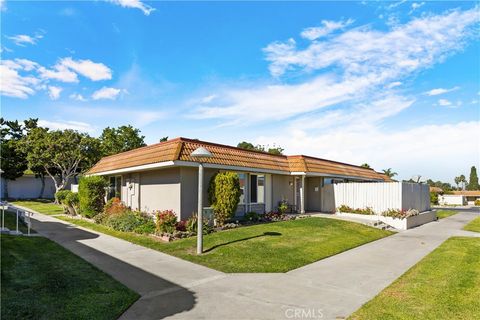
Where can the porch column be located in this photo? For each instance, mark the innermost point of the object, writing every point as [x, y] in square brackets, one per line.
[302, 195]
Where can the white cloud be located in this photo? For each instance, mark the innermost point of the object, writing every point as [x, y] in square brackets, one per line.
[54, 92]
[62, 125]
[408, 151]
[438, 91]
[328, 27]
[444, 103]
[106, 93]
[22, 39]
[393, 84]
[59, 73]
[415, 6]
[364, 61]
[13, 84]
[92, 70]
[137, 4]
[77, 97]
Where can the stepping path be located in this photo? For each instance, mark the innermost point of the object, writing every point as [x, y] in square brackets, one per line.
[328, 289]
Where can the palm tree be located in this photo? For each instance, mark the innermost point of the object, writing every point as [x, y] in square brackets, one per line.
[366, 165]
[389, 173]
[458, 180]
[463, 180]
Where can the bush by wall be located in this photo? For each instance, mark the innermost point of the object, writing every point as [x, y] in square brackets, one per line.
[60, 198]
[433, 198]
[91, 194]
[166, 222]
[227, 196]
[72, 202]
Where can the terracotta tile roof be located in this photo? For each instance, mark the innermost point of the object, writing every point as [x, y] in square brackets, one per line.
[181, 148]
[436, 189]
[468, 193]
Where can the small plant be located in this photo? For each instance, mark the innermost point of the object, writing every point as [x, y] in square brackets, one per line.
[192, 224]
[477, 202]
[72, 201]
[252, 216]
[282, 206]
[166, 222]
[400, 214]
[347, 209]
[181, 225]
[433, 198]
[61, 195]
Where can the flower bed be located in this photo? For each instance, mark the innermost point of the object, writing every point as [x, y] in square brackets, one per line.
[399, 219]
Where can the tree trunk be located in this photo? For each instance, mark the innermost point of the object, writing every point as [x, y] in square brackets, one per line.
[42, 189]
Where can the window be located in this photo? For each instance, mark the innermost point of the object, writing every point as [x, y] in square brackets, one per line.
[115, 187]
[241, 177]
[257, 188]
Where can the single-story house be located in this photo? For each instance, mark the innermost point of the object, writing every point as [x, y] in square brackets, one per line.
[463, 197]
[165, 176]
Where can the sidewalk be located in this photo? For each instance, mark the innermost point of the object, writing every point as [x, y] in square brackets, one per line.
[331, 288]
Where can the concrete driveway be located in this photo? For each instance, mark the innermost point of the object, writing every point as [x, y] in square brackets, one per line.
[328, 289]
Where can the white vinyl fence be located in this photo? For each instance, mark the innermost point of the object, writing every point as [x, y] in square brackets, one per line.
[381, 196]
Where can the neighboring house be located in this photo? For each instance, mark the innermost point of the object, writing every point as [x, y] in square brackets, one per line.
[459, 198]
[436, 190]
[165, 176]
[29, 187]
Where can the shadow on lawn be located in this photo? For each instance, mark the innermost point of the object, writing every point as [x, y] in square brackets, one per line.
[176, 299]
[243, 239]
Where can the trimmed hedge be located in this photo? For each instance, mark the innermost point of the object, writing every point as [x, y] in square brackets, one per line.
[227, 196]
[91, 194]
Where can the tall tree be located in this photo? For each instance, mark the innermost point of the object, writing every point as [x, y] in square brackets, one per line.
[249, 146]
[366, 165]
[458, 180]
[123, 138]
[473, 180]
[463, 181]
[389, 173]
[61, 153]
[13, 163]
[163, 139]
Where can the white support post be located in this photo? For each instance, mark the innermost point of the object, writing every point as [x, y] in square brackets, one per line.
[17, 220]
[29, 221]
[200, 210]
[302, 196]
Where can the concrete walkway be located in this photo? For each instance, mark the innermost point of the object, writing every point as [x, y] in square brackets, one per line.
[328, 289]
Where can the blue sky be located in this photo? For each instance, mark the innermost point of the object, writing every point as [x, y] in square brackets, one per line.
[394, 84]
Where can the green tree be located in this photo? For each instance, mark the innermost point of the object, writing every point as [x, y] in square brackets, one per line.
[463, 181]
[473, 180]
[389, 173]
[249, 146]
[62, 154]
[365, 165]
[123, 138]
[164, 139]
[12, 159]
[227, 196]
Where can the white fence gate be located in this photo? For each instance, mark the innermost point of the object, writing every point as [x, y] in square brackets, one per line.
[381, 196]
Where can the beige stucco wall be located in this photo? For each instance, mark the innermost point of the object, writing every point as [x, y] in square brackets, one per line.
[313, 198]
[160, 190]
[281, 189]
[189, 189]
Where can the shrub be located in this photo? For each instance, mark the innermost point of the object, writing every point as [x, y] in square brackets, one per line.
[347, 209]
[91, 193]
[61, 195]
[114, 206]
[275, 216]
[192, 224]
[433, 197]
[211, 190]
[181, 225]
[344, 208]
[148, 227]
[477, 202]
[130, 221]
[227, 196]
[166, 222]
[252, 216]
[72, 201]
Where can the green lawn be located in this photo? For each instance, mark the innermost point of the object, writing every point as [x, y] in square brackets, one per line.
[445, 213]
[444, 285]
[474, 225]
[42, 280]
[40, 205]
[273, 247]
[11, 223]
